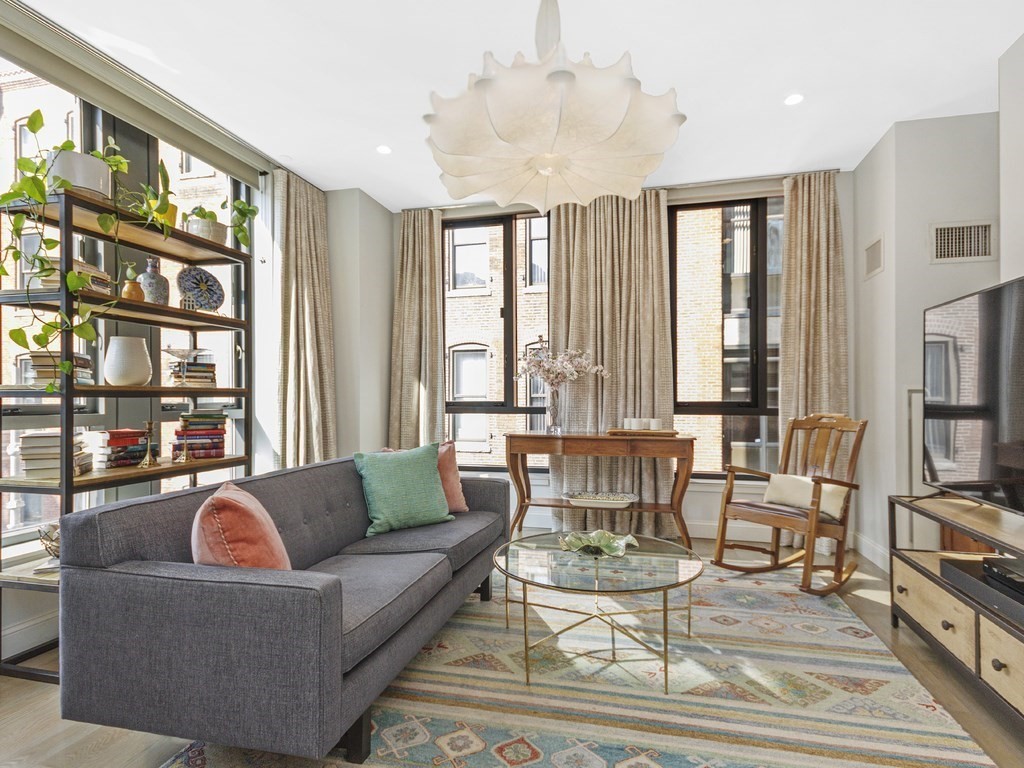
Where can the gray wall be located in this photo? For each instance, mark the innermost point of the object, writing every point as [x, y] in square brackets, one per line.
[1011, 160]
[920, 173]
[361, 240]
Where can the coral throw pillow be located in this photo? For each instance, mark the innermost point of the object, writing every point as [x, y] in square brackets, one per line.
[451, 480]
[233, 528]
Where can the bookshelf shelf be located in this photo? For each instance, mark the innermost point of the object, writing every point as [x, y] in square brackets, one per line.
[75, 212]
[96, 479]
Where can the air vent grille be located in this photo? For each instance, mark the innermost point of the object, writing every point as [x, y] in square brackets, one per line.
[963, 242]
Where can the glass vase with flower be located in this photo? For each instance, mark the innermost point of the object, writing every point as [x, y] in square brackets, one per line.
[556, 371]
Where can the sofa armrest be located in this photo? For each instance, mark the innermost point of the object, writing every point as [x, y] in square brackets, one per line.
[236, 656]
[489, 494]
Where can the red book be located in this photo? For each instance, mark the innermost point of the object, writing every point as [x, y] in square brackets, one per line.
[122, 441]
[119, 433]
[200, 432]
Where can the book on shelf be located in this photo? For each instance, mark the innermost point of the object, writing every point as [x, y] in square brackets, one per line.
[49, 566]
[53, 473]
[98, 280]
[45, 437]
[200, 432]
[217, 453]
[53, 462]
[186, 373]
[123, 450]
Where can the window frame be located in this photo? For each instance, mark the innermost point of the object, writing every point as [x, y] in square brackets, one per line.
[758, 316]
[509, 364]
[530, 283]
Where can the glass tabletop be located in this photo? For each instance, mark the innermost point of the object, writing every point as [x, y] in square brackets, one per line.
[653, 566]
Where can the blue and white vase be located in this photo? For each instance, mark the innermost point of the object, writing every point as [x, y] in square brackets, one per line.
[154, 285]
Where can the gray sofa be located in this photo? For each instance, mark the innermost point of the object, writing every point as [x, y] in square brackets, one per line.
[283, 661]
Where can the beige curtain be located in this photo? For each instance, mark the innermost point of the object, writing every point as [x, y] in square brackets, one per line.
[609, 287]
[417, 338]
[813, 373]
[307, 427]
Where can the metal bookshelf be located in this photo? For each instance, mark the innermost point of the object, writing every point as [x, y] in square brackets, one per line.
[74, 212]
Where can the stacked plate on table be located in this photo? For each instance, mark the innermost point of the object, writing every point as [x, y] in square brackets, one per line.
[601, 500]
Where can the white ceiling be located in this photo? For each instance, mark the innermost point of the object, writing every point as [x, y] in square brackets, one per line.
[317, 85]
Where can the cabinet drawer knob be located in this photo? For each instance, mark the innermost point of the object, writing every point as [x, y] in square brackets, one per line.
[946, 625]
[997, 665]
[901, 589]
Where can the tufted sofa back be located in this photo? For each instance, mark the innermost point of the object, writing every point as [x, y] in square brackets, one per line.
[319, 509]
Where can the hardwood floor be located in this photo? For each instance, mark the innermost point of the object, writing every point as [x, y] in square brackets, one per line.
[32, 734]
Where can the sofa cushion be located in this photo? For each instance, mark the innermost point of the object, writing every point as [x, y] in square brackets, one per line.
[402, 489]
[460, 540]
[451, 480]
[232, 528]
[380, 593]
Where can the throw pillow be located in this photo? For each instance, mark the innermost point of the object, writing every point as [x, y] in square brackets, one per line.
[451, 480]
[233, 528]
[796, 491]
[402, 489]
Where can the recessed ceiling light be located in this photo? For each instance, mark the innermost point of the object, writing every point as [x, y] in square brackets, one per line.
[384, 149]
[793, 99]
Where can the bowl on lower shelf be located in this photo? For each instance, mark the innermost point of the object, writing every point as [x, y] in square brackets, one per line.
[601, 500]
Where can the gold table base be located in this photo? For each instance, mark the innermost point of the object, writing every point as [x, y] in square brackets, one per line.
[608, 617]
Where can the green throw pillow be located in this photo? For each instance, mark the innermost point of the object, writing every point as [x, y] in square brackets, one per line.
[402, 489]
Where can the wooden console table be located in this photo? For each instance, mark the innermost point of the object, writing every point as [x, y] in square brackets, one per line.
[518, 448]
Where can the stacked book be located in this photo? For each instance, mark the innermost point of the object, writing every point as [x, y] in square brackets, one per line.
[186, 373]
[120, 447]
[99, 280]
[40, 455]
[203, 430]
[45, 368]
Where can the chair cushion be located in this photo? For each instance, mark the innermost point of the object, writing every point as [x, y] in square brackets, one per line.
[777, 509]
[460, 540]
[796, 491]
[402, 489]
[233, 528]
[380, 593]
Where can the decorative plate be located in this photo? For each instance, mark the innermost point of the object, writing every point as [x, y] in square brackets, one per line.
[597, 500]
[203, 287]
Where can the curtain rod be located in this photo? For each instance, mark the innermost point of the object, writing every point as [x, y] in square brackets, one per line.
[667, 187]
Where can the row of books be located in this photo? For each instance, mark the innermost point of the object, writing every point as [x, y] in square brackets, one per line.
[185, 373]
[98, 280]
[40, 455]
[45, 368]
[120, 447]
[202, 430]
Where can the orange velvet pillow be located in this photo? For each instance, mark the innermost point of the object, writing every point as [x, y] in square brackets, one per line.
[451, 480]
[233, 528]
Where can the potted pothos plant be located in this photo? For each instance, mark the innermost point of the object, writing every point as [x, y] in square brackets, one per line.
[24, 205]
[203, 222]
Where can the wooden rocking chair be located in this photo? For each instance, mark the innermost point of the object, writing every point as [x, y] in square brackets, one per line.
[812, 448]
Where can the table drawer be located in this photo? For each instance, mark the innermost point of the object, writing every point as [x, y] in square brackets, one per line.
[1002, 662]
[943, 616]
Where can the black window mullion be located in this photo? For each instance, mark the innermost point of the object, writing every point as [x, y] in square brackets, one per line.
[509, 309]
[759, 299]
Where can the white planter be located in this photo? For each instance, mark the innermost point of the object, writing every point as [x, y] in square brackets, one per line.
[211, 230]
[127, 363]
[83, 171]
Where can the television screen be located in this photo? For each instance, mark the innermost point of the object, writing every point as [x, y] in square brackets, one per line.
[974, 396]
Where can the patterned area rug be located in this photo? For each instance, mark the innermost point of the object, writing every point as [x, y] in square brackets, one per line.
[772, 678]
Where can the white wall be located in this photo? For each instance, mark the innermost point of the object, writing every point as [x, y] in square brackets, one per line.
[1011, 160]
[360, 237]
[920, 173]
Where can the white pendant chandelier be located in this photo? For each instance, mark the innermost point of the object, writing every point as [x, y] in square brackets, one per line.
[557, 131]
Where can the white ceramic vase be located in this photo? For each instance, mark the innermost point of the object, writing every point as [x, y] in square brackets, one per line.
[127, 362]
[211, 230]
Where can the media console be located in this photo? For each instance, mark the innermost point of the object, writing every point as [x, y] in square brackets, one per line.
[943, 597]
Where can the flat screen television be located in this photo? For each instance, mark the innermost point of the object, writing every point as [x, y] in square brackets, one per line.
[974, 396]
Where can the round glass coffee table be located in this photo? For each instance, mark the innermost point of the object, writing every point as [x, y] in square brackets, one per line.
[655, 566]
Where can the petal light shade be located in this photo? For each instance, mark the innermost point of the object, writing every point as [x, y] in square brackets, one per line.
[553, 132]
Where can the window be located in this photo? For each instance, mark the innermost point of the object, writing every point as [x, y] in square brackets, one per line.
[193, 167]
[537, 245]
[491, 315]
[726, 260]
[470, 257]
[940, 365]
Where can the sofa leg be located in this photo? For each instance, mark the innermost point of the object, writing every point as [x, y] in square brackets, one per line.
[484, 590]
[356, 741]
